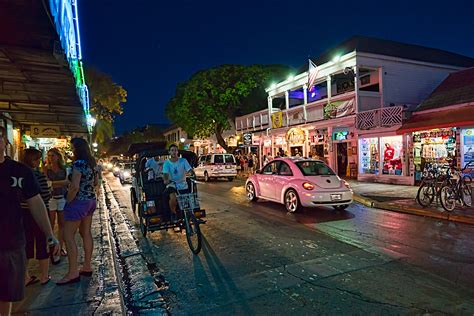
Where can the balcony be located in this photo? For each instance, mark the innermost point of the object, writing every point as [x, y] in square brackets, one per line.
[252, 122]
[382, 117]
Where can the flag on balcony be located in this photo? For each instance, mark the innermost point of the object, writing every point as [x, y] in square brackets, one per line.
[313, 71]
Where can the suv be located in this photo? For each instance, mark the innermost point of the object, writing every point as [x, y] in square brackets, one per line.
[216, 166]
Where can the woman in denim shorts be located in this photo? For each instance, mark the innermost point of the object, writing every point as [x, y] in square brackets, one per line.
[57, 175]
[80, 205]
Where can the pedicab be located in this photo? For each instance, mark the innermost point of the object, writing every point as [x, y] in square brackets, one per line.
[149, 199]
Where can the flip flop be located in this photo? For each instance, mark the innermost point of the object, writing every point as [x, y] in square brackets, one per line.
[33, 279]
[54, 261]
[47, 280]
[85, 273]
[68, 281]
[63, 252]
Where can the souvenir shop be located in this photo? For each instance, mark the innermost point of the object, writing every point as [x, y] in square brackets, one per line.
[319, 144]
[433, 147]
[382, 158]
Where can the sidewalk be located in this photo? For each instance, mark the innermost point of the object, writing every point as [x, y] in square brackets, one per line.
[98, 294]
[401, 198]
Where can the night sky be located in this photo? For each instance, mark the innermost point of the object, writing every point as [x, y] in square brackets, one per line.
[150, 46]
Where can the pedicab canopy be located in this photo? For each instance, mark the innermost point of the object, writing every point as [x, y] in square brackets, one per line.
[154, 149]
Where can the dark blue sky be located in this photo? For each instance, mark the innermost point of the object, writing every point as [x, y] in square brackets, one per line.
[150, 46]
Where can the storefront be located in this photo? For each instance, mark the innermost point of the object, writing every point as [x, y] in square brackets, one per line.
[467, 146]
[296, 139]
[319, 144]
[433, 147]
[382, 158]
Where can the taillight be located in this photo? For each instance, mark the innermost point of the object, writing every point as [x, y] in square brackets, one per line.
[308, 186]
[346, 184]
[150, 207]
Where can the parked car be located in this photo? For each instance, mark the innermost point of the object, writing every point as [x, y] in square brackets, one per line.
[215, 166]
[125, 172]
[297, 183]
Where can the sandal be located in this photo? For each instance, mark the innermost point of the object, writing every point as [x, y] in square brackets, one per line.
[47, 280]
[32, 280]
[55, 260]
[65, 281]
[63, 252]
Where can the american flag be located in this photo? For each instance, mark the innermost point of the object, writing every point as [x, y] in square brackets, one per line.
[312, 74]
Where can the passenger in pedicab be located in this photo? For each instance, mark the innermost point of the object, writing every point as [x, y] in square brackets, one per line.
[174, 176]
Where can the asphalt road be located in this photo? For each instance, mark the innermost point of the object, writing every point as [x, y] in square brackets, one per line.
[257, 259]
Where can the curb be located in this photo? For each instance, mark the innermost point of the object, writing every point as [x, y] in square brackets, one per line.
[139, 292]
[414, 211]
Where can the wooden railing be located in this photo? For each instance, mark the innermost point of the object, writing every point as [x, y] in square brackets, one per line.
[383, 117]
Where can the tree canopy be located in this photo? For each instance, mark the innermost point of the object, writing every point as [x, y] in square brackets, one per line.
[106, 101]
[207, 103]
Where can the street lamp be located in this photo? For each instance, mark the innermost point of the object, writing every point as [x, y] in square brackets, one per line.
[95, 145]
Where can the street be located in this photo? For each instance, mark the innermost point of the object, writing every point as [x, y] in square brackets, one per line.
[257, 259]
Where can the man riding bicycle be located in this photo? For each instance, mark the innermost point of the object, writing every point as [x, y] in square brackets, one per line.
[174, 175]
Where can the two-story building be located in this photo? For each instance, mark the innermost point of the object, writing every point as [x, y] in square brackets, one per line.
[364, 89]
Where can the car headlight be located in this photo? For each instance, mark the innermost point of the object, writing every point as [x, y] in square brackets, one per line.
[126, 174]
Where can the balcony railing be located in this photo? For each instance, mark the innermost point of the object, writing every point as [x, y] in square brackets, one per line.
[383, 117]
[253, 121]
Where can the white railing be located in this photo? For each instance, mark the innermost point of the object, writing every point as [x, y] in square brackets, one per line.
[253, 121]
[383, 117]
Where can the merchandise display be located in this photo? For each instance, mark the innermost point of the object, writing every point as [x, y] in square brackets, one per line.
[369, 155]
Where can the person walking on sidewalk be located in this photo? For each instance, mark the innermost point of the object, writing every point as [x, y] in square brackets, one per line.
[17, 183]
[35, 238]
[57, 174]
[80, 205]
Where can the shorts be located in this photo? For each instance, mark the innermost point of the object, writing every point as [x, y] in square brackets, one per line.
[172, 189]
[57, 204]
[12, 275]
[77, 210]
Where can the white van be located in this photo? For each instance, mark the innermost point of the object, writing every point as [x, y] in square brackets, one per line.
[214, 166]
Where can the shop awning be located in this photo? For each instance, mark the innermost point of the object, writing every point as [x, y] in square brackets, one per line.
[458, 117]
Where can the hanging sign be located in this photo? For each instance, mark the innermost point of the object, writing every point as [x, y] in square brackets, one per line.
[267, 143]
[256, 140]
[247, 138]
[277, 119]
[339, 108]
[295, 136]
[44, 131]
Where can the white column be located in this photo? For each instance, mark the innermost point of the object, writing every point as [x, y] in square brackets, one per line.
[305, 102]
[270, 108]
[381, 86]
[356, 87]
[287, 103]
[329, 84]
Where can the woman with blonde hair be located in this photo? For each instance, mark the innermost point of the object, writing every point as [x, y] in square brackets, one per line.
[56, 173]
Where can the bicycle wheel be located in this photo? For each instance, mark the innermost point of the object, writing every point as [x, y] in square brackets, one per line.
[193, 233]
[448, 198]
[426, 194]
[466, 191]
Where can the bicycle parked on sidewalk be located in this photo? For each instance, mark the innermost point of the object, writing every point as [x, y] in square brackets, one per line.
[434, 178]
[458, 191]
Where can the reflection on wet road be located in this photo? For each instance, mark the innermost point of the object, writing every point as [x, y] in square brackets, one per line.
[258, 259]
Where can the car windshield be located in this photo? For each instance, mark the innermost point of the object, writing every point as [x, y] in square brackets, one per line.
[314, 168]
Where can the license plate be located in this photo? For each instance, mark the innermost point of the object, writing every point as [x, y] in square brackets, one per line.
[228, 167]
[336, 197]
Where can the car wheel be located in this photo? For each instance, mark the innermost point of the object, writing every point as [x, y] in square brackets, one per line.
[206, 177]
[133, 201]
[292, 202]
[230, 179]
[250, 191]
[340, 207]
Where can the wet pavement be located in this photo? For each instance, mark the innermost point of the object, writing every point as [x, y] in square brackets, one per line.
[257, 259]
[98, 294]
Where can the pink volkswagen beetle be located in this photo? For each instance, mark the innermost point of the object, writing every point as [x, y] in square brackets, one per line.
[297, 183]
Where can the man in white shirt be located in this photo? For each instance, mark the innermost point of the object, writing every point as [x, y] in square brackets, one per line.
[174, 175]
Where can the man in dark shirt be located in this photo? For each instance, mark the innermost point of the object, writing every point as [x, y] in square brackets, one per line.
[17, 182]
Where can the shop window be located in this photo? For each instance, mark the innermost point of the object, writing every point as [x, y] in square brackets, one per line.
[369, 155]
[392, 154]
[436, 146]
[467, 150]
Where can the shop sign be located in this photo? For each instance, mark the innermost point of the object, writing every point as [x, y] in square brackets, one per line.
[339, 109]
[277, 119]
[279, 141]
[44, 131]
[232, 141]
[256, 140]
[433, 134]
[267, 143]
[340, 135]
[61, 143]
[295, 136]
[247, 138]
[345, 86]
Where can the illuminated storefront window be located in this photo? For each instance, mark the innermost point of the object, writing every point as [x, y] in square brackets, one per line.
[467, 148]
[392, 151]
[369, 155]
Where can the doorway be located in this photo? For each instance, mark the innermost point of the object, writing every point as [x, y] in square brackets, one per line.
[341, 159]
[297, 151]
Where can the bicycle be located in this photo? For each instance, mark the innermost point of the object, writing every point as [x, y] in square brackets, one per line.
[433, 180]
[457, 191]
[188, 203]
